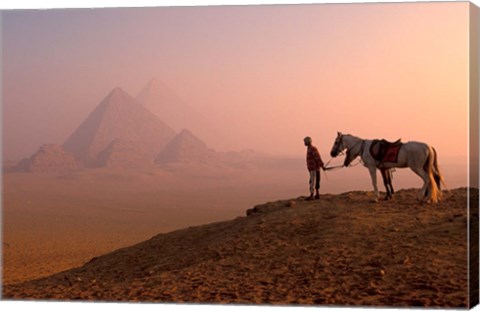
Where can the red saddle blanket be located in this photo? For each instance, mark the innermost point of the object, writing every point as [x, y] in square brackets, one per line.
[384, 151]
[391, 154]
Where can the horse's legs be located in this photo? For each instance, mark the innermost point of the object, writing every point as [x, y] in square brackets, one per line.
[388, 174]
[386, 182]
[373, 175]
[384, 178]
[426, 181]
[390, 182]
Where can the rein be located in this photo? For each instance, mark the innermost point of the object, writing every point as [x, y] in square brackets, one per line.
[333, 167]
[340, 166]
[341, 153]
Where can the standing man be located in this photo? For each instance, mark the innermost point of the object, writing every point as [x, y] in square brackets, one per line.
[314, 163]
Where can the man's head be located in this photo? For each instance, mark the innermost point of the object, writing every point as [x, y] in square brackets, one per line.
[307, 141]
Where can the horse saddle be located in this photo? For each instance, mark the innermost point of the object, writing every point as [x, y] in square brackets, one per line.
[384, 151]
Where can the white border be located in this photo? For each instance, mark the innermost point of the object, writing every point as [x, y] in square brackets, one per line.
[57, 4]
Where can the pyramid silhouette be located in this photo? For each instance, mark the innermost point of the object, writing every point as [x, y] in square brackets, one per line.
[162, 101]
[118, 116]
[49, 158]
[186, 148]
[125, 154]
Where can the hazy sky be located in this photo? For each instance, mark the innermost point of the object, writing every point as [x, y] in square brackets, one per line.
[265, 76]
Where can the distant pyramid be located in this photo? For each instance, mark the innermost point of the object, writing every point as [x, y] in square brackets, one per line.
[49, 159]
[162, 101]
[186, 148]
[125, 154]
[118, 116]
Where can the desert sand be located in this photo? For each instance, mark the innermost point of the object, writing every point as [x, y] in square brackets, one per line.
[340, 250]
[54, 222]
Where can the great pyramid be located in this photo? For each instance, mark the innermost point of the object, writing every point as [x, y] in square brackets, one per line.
[162, 101]
[118, 116]
[49, 159]
[186, 148]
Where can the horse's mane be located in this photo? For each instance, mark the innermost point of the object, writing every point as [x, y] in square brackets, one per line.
[353, 136]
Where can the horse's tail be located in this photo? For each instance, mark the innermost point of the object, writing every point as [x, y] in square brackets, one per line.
[435, 194]
[436, 173]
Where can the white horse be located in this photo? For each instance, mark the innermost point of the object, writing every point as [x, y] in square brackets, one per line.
[419, 157]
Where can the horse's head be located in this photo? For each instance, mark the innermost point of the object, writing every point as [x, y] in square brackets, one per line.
[338, 146]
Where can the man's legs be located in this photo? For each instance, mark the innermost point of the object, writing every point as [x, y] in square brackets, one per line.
[317, 185]
[314, 185]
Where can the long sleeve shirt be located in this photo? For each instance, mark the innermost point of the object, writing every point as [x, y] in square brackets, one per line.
[314, 161]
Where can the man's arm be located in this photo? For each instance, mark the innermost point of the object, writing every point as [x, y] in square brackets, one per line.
[318, 159]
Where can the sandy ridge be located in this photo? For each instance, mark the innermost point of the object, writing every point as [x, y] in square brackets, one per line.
[340, 250]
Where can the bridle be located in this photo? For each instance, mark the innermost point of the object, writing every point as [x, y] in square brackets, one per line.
[339, 146]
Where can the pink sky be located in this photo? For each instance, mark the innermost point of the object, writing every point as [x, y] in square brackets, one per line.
[265, 76]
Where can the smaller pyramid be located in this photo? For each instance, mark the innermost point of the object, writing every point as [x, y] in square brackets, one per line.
[186, 148]
[49, 159]
[126, 154]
